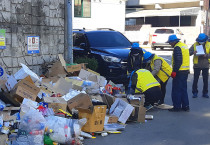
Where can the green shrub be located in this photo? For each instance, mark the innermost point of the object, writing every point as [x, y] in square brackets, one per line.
[92, 63]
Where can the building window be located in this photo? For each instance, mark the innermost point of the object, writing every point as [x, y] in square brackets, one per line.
[82, 8]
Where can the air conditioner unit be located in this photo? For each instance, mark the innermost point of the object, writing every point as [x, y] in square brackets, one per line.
[158, 7]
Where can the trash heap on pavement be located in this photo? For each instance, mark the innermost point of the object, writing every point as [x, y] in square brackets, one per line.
[63, 106]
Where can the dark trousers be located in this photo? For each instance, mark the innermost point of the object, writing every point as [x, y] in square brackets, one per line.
[205, 74]
[163, 90]
[179, 90]
[152, 95]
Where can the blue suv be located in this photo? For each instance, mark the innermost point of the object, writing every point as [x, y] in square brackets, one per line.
[110, 48]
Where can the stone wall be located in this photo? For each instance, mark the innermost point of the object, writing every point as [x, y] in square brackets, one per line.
[22, 18]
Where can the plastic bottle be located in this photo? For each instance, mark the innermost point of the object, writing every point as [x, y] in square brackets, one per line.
[36, 132]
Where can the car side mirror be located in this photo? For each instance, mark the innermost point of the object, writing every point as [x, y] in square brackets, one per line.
[82, 45]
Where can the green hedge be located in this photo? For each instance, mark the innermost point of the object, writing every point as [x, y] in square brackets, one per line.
[92, 63]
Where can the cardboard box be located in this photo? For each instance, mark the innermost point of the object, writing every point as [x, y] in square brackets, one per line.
[80, 101]
[95, 118]
[24, 72]
[28, 78]
[112, 119]
[108, 99]
[86, 75]
[138, 114]
[77, 67]
[121, 109]
[11, 82]
[56, 103]
[9, 99]
[71, 68]
[25, 89]
[96, 97]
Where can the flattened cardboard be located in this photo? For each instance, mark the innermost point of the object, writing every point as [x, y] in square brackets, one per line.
[56, 70]
[2, 85]
[86, 75]
[63, 62]
[50, 79]
[80, 101]
[3, 139]
[28, 78]
[62, 86]
[164, 106]
[7, 116]
[56, 103]
[112, 119]
[121, 109]
[11, 82]
[95, 119]
[25, 89]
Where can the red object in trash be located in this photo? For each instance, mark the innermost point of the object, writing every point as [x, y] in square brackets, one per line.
[108, 88]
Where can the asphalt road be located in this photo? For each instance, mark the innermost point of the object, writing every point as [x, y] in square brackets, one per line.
[167, 128]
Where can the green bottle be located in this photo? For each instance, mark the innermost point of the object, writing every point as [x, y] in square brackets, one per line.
[47, 140]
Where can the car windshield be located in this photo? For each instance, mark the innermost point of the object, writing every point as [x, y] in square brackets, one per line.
[164, 31]
[107, 39]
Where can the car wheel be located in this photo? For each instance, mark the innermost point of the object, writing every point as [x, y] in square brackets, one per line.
[153, 48]
[161, 48]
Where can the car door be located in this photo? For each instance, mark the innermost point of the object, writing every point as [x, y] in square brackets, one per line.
[80, 45]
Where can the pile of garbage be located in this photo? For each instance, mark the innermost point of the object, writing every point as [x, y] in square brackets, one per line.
[64, 106]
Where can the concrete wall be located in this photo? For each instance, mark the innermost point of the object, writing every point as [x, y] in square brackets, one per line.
[104, 14]
[22, 18]
[46, 19]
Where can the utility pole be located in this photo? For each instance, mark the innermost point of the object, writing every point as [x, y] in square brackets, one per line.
[69, 56]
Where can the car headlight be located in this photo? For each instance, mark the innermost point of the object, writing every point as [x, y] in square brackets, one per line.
[110, 58]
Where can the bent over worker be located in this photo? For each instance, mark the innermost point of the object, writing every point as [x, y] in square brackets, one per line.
[144, 82]
[180, 67]
[135, 58]
[160, 69]
[201, 63]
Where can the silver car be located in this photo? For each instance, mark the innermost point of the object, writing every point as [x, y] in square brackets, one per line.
[160, 37]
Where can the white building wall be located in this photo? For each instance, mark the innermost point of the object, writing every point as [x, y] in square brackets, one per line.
[104, 14]
[149, 2]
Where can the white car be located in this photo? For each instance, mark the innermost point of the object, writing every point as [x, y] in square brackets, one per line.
[160, 37]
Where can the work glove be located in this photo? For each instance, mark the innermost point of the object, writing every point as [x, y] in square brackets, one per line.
[173, 75]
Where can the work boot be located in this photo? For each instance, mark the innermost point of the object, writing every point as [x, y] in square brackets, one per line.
[195, 95]
[187, 109]
[205, 96]
[174, 109]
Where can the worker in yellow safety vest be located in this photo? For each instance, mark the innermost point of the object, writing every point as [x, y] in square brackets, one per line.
[201, 62]
[180, 71]
[144, 82]
[160, 69]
